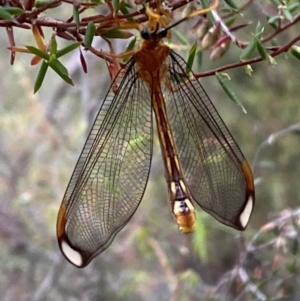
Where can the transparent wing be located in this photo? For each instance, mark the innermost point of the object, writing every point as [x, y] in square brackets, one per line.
[111, 174]
[215, 170]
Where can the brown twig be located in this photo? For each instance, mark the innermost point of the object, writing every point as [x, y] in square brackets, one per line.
[255, 60]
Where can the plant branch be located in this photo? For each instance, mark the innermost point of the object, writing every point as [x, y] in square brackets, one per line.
[255, 60]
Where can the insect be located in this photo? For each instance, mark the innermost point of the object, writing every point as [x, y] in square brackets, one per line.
[203, 163]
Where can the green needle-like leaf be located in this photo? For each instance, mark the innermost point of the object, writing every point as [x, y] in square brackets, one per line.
[232, 4]
[67, 49]
[4, 15]
[53, 47]
[199, 59]
[61, 70]
[117, 34]
[247, 52]
[295, 51]
[116, 4]
[39, 53]
[232, 95]
[129, 48]
[12, 10]
[41, 75]
[191, 57]
[182, 39]
[262, 50]
[287, 14]
[274, 21]
[76, 16]
[89, 34]
[40, 3]
[259, 30]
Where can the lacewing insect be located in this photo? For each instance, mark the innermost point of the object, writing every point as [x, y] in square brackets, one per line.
[203, 163]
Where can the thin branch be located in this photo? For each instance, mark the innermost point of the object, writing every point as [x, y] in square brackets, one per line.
[164, 262]
[249, 286]
[281, 29]
[271, 139]
[275, 53]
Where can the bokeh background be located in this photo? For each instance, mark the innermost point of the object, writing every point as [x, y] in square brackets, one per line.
[41, 137]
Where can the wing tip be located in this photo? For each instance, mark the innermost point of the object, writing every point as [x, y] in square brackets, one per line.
[245, 214]
[77, 257]
[73, 255]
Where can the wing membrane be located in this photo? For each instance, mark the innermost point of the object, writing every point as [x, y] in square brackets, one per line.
[216, 172]
[111, 174]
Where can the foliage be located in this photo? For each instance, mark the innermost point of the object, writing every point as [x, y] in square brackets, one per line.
[41, 137]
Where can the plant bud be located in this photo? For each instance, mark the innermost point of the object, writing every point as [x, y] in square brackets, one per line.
[219, 51]
[211, 37]
[202, 29]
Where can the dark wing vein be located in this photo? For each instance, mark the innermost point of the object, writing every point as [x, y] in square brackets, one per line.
[111, 174]
[210, 158]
